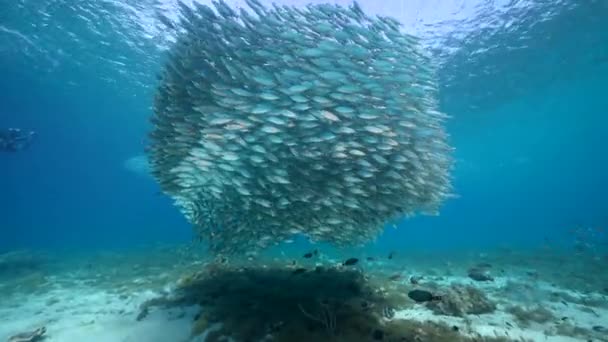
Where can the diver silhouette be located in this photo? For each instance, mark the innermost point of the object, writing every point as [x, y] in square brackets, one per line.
[15, 139]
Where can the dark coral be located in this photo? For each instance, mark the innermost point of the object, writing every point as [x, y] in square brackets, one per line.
[335, 304]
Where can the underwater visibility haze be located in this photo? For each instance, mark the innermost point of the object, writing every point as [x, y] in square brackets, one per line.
[408, 170]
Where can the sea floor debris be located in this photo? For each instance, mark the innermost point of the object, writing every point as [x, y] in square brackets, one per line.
[323, 304]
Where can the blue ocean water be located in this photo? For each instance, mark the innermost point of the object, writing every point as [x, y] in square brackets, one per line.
[524, 83]
[92, 250]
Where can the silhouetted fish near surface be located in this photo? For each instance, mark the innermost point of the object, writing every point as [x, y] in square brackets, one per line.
[421, 296]
[350, 262]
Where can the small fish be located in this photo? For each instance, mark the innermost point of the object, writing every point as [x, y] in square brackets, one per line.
[350, 262]
[270, 129]
[330, 116]
[478, 274]
[391, 255]
[332, 75]
[344, 110]
[269, 96]
[370, 259]
[312, 52]
[388, 312]
[240, 92]
[415, 280]
[315, 103]
[593, 312]
[421, 296]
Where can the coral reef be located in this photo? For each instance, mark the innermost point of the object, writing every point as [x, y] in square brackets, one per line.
[460, 300]
[320, 304]
[253, 302]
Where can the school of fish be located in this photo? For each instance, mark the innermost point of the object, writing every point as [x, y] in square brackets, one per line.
[319, 120]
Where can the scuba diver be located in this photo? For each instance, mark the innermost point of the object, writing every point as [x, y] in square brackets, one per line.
[15, 139]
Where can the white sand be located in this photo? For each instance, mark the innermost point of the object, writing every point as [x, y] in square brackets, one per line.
[85, 314]
[495, 324]
[89, 316]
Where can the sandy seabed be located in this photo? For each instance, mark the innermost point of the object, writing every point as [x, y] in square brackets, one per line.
[98, 299]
